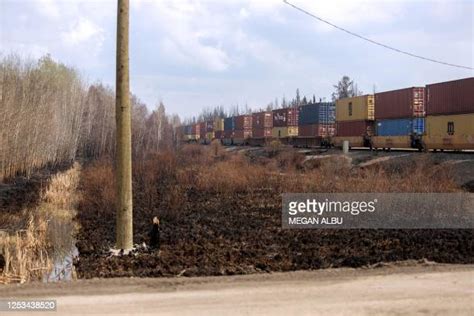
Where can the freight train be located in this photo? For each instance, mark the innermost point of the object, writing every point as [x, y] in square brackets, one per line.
[437, 116]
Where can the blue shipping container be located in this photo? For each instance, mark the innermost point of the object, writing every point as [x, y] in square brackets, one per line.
[229, 123]
[400, 127]
[317, 113]
[188, 130]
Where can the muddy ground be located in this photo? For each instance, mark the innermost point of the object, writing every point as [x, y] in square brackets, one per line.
[240, 233]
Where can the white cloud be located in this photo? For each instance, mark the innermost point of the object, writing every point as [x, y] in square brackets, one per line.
[81, 31]
[243, 13]
[48, 8]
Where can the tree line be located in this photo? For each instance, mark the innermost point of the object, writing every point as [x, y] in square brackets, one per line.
[49, 115]
[345, 88]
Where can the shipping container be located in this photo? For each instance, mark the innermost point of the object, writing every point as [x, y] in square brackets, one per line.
[218, 124]
[316, 113]
[243, 122]
[285, 117]
[400, 127]
[450, 131]
[229, 123]
[242, 133]
[354, 141]
[403, 103]
[197, 130]
[354, 128]
[451, 97]
[210, 135]
[187, 130]
[209, 126]
[261, 132]
[356, 108]
[316, 130]
[281, 132]
[392, 142]
[219, 134]
[202, 130]
[262, 120]
[228, 134]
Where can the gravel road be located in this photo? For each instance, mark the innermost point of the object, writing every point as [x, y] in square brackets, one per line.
[388, 290]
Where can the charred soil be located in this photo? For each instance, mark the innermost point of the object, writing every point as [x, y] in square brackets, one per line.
[206, 230]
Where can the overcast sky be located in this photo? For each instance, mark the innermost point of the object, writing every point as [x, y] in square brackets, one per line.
[193, 54]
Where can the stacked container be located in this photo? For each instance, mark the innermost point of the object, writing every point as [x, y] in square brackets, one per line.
[229, 126]
[237, 129]
[262, 124]
[206, 131]
[243, 128]
[188, 133]
[450, 114]
[355, 120]
[285, 122]
[219, 128]
[196, 129]
[316, 120]
[399, 118]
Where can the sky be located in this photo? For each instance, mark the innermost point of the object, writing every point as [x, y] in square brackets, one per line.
[196, 54]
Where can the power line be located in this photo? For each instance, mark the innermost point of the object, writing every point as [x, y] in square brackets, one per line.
[372, 41]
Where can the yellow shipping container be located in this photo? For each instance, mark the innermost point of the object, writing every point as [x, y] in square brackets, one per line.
[355, 108]
[190, 137]
[354, 141]
[218, 125]
[210, 135]
[293, 131]
[391, 141]
[450, 131]
[281, 132]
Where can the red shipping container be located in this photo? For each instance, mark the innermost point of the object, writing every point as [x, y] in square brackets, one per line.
[261, 132]
[403, 103]
[202, 129]
[209, 126]
[316, 130]
[451, 97]
[218, 134]
[354, 128]
[243, 122]
[285, 117]
[247, 133]
[262, 120]
[196, 129]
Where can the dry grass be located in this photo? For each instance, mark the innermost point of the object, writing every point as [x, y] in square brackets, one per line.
[167, 176]
[49, 234]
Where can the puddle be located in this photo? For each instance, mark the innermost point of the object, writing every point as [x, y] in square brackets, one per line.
[63, 269]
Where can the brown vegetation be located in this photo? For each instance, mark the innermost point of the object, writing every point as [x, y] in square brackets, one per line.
[48, 234]
[222, 215]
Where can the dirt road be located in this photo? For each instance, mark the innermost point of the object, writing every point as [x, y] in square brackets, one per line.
[399, 290]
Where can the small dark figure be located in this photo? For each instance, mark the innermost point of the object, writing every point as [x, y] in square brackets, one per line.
[155, 234]
[2, 263]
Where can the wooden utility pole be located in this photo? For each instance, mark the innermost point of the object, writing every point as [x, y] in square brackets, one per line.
[123, 166]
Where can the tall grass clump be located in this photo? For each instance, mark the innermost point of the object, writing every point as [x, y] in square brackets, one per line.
[29, 253]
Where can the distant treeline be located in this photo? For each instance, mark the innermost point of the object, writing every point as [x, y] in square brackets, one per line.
[343, 89]
[50, 115]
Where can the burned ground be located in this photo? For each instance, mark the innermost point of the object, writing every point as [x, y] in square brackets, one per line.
[233, 226]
